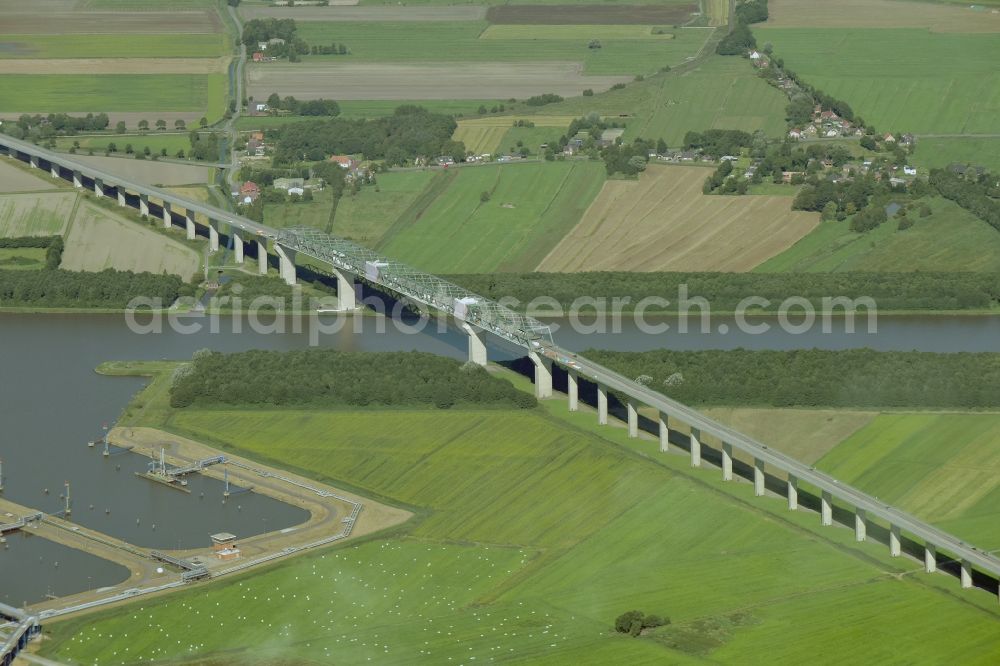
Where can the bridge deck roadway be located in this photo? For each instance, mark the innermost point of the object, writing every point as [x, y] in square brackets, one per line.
[942, 540]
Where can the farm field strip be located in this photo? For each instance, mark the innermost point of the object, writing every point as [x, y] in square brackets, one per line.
[53, 93]
[148, 172]
[353, 14]
[881, 14]
[41, 21]
[531, 207]
[926, 83]
[111, 66]
[22, 258]
[666, 13]
[366, 216]
[99, 239]
[944, 468]
[582, 33]
[485, 135]
[375, 81]
[37, 214]
[665, 222]
[402, 43]
[23, 46]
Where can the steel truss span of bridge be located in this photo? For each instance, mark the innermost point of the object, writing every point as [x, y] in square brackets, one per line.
[709, 440]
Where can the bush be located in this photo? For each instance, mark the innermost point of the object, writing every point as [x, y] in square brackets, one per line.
[484, 196]
[589, 92]
[633, 622]
[542, 100]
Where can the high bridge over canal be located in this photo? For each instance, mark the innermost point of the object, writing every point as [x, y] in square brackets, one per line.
[479, 317]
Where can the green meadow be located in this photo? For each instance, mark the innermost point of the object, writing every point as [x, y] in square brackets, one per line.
[22, 258]
[315, 213]
[900, 80]
[114, 46]
[721, 93]
[950, 239]
[465, 41]
[374, 108]
[153, 140]
[944, 468]
[939, 153]
[54, 93]
[531, 207]
[367, 215]
[534, 530]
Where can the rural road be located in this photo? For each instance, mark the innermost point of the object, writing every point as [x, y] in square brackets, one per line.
[230, 126]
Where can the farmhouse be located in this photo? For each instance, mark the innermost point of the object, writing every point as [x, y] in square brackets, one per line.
[610, 136]
[910, 171]
[889, 138]
[258, 56]
[345, 162]
[249, 191]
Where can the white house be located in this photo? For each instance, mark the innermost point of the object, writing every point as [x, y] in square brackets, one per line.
[910, 171]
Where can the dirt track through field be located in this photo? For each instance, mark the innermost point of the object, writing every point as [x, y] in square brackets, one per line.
[114, 66]
[882, 14]
[423, 81]
[36, 21]
[369, 13]
[663, 222]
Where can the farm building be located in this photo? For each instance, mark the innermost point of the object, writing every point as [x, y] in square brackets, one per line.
[610, 136]
[249, 191]
[258, 56]
[288, 184]
[345, 161]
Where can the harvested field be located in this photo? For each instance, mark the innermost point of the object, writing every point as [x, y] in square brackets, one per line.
[148, 172]
[592, 14]
[663, 222]
[38, 21]
[113, 46]
[483, 135]
[114, 65]
[374, 13]
[371, 81]
[99, 240]
[13, 179]
[579, 32]
[38, 214]
[882, 14]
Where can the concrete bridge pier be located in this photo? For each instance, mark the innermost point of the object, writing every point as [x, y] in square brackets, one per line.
[54, 170]
[98, 188]
[633, 419]
[930, 558]
[966, 574]
[262, 257]
[727, 462]
[237, 245]
[573, 390]
[33, 161]
[793, 493]
[167, 215]
[894, 547]
[477, 349]
[860, 525]
[602, 405]
[144, 205]
[695, 443]
[826, 508]
[78, 180]
[664, 432]
[213, 236]
[189, 224]
[543, 376]
[286, 263]
[758, 477]
[120, 191]
[347, 300]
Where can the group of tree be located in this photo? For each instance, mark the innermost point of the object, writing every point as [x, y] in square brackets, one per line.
[411, 131]
[280, 35]
[327, 378]
[633, 622]
[332, 49]
[722, 181]
[739, 40]
[979, 196]
[543, 99]
[312, 107]
[724, 291]
[205, 146]
[57, 288]
[751, 11]
[855, 378]
[718, 142]
[628, 159]
[863, 196]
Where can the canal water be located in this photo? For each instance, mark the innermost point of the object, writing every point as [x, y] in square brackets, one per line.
[52, 403]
